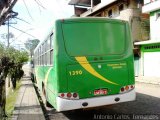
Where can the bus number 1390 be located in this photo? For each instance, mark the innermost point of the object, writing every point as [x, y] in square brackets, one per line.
[76, 72]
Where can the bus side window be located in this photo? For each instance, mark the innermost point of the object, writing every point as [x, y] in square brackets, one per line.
[51, 41]
[51, 57]
[51, 49]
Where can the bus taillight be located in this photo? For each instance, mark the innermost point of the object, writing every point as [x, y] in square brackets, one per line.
[122, 89]
[132, 86]
[62, 95]
[75, 95]
[69, 95]
[126, 88]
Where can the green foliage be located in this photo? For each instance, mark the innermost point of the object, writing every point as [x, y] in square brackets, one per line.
[11, 100]
[16, 55]
[31, 45]
[15, 60]
[11, 61]
[1, 49]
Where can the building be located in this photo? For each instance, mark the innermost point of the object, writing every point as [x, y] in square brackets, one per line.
[150, 50]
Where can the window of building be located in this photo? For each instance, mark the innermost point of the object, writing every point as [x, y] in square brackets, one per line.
[121, 7]
[152, 47]
[110, 13]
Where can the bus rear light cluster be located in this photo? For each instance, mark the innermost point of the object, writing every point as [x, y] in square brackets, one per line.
[69, 95]
[126, 88]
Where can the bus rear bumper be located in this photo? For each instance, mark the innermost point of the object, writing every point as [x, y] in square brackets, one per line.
[65, 104]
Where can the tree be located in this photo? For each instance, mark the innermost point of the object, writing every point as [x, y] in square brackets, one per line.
[17, 58]
[31, 45]
[11, 61]
[1, 49]
[4, 68]
[7, 37]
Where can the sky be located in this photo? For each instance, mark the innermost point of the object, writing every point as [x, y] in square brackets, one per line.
[39, 16]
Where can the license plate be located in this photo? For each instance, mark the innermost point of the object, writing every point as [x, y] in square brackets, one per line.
[100, 92]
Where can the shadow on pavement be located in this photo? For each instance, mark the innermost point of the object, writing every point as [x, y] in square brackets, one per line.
[27, 85]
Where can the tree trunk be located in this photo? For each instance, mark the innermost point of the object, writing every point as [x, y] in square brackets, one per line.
[2, 99]
[8, 84]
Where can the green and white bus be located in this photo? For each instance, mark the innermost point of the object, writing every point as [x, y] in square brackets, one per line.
[86, 62]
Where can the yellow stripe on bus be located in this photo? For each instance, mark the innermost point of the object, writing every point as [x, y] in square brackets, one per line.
[47, 75]
[85, 64]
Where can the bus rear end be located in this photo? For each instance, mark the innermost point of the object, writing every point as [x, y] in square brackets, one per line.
[95, 63]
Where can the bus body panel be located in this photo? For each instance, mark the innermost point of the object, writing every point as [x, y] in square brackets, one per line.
[111, 64]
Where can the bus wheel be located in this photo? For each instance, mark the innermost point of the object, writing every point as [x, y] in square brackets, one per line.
[34, 78]
[47, 104]
[44, 91]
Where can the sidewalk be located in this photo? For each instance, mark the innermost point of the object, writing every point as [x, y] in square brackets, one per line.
[151, 80]
[27, 106]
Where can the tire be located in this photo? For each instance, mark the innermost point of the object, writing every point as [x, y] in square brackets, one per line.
[47, 104]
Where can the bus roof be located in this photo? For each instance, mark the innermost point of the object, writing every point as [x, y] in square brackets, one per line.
[90, 19]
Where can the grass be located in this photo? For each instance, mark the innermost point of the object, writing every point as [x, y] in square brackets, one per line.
[11, 100]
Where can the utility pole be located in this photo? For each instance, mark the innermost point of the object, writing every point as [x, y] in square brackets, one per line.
[11, 15]
[8, 34]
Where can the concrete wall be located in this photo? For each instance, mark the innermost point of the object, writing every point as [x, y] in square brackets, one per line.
[155, 23]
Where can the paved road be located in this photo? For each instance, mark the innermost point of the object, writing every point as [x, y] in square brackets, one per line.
[146, 106]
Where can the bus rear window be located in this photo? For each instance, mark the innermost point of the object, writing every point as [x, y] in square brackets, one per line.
[85, 39]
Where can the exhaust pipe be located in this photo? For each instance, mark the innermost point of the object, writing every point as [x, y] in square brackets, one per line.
[117, 99]
[84, 104]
